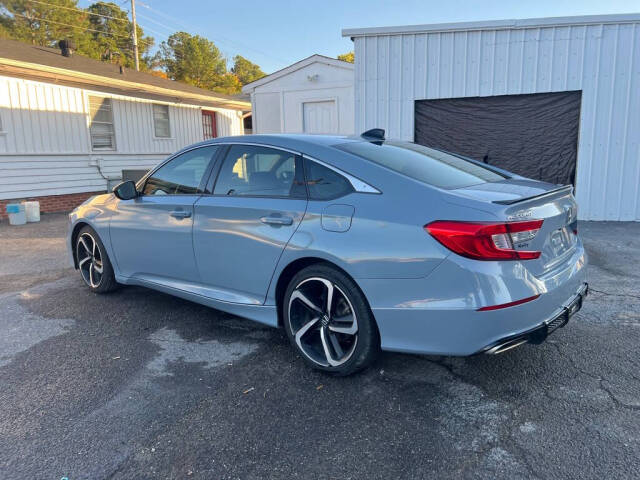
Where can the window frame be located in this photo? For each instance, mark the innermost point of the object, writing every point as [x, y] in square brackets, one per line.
[213, 161]
[153, 117]
[215, 174]
[114, 145]
[359, 186]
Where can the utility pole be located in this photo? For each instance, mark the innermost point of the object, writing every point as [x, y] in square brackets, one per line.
[135, 34]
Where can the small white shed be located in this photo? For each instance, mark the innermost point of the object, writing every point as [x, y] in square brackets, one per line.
[314, 95]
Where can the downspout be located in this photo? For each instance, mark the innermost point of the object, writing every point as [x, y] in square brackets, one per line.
[98, 163]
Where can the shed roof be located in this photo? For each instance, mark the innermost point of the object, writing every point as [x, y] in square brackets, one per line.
[493, 25]
[249, 87]
[48, 64]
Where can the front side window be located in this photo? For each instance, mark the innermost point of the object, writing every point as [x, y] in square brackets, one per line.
[260, 171]
[103, 135]
[324, 183]
[425, 164]
[182, 175]
[161, 126]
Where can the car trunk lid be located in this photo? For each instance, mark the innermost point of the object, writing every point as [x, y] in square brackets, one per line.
[523, 200]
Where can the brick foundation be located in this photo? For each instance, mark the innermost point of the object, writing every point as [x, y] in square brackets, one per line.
[51, 203]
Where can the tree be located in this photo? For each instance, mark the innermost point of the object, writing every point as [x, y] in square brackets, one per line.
[192, 59]
[228, 84]
[47, 23]
[112, 40]
[347, 57]
[245, 70]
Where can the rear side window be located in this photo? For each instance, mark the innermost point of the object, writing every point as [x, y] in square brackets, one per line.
[425, 164]
[323, 183]
[181, 175]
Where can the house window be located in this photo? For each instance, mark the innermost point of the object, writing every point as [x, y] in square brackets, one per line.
[103, 135]
[161, 121]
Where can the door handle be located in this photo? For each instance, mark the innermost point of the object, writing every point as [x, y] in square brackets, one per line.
[180, 214]
[277, 220]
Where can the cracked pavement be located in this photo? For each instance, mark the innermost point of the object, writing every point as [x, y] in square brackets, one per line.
[138, 384]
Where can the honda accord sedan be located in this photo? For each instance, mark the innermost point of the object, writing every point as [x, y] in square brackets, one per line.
[351, 244]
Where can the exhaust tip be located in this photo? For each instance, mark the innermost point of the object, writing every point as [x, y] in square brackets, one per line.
[506, 346]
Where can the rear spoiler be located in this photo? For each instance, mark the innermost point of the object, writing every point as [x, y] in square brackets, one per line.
[556, 191]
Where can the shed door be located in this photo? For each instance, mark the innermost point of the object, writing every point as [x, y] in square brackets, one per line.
[533, 135]
[320, 117]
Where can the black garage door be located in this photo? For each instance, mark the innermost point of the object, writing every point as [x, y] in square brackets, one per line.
[532, 135]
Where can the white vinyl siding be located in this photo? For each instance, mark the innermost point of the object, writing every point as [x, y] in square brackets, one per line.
[46, 146]
[601, 59]
[161, 125]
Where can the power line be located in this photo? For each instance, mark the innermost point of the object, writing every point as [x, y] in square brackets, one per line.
[171, 29]
[80, 10]
[163, 35]
[219, 39]
[77, 26]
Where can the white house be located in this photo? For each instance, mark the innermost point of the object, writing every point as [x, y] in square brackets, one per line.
[70, 125]
[314, 95]
[551, 98]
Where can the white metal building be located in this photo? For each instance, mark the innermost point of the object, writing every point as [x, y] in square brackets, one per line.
[402, 72]
[314, 95]
[69, 126]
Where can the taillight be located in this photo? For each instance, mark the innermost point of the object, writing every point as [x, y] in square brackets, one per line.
[486, 241]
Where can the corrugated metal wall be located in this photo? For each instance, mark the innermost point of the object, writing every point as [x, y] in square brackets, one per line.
[44, 138]
[602, 60]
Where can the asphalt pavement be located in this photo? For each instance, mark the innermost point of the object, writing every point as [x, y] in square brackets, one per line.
[138, 384]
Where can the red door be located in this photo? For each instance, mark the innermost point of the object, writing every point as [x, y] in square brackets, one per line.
[208, 124]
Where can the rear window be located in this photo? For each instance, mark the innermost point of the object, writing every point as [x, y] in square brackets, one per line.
[422, 163]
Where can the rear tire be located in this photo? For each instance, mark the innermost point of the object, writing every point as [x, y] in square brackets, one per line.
[93, 262]
[328, 321]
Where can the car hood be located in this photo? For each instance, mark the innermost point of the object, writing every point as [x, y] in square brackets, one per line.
[98, 199]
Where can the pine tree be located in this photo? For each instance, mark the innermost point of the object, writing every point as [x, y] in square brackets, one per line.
[245, 70]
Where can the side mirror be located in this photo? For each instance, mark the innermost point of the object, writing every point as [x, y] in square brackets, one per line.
[125, 190]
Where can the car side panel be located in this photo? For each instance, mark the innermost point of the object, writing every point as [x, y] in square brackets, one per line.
[373, 246]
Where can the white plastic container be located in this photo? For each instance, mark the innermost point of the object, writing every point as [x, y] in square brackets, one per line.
[17, 215]
[32, 211]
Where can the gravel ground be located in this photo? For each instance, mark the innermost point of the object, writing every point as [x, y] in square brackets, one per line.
[138, 384]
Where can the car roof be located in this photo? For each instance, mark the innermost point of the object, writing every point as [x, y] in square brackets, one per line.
[288, 140]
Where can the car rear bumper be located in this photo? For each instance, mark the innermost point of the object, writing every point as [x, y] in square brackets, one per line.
[539, 334]
[441, 315]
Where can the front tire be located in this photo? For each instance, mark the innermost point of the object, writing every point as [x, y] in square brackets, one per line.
[328, 321]
[93, 262]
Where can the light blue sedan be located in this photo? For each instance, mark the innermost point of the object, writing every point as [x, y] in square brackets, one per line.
[352, 244]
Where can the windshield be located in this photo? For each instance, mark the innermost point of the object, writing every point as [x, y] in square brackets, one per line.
[425, 164]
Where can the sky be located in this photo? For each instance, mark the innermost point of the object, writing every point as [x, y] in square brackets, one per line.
[277, 33]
